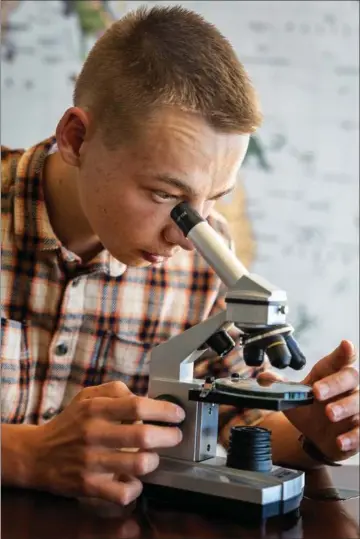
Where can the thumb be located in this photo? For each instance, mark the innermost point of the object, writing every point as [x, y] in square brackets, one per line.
[343, 355]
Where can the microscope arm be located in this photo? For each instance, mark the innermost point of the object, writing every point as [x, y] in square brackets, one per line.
[174, 359]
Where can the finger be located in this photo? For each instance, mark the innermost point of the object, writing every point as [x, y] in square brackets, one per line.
[349, 441]
[133, 408]
[121, 492]
[140, 436]
[343, 408]
[147, 436]
[268, 377]
[346, 425]
[335, 384]
[130, 464]
[342, 356]
[110, 390]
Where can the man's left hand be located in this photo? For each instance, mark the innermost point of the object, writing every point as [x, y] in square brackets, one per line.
[332, 421]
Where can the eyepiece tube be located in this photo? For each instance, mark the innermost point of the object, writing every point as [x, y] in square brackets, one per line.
[209, 244]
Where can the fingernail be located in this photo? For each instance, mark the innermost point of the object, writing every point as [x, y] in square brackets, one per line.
[345, 444]
[323, 390]
[336, 412]
[351, 346]
[180, 412]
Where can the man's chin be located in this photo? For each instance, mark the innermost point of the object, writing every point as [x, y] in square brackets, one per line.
[137, 262]
[144, 264]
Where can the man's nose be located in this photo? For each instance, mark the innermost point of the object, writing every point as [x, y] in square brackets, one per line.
[175, 236]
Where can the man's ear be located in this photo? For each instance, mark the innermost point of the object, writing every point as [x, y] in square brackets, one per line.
[70, 134]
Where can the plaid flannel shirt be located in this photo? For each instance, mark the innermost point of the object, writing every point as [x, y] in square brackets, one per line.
[67, 325]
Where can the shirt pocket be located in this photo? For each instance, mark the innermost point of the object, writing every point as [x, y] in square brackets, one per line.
[14, 372]
[124, 358]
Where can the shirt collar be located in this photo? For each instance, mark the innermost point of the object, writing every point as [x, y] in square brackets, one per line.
[32, 225]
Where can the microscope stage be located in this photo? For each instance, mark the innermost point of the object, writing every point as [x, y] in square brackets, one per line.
[248, 393]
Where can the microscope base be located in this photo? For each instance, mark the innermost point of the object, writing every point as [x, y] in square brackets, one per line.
[211, 487]
[237, 510]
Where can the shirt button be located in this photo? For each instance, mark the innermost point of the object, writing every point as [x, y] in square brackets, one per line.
[61, 349]
[49, 414]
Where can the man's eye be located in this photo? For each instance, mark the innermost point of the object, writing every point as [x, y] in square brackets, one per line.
[163, 196]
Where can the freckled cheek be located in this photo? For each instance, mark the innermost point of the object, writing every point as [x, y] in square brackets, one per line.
[109, 207]
[137, 219]
[151, 220]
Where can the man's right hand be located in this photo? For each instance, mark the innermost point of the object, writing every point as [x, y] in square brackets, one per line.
[79, 451]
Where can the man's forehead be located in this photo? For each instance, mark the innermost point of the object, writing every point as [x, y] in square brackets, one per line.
[172, 122]
[186, 157]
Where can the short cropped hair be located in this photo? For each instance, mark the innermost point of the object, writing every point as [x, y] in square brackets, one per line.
[165, 56]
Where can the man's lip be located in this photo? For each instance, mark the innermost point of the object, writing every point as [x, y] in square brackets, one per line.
[154, 257]
[160, 255]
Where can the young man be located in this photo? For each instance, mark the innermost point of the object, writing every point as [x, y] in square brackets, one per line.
[95, 273]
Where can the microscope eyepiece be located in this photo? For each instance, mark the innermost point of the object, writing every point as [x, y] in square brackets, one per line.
[208, 243]
[185, 217]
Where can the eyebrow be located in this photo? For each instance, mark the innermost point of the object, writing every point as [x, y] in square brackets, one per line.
[187, 189]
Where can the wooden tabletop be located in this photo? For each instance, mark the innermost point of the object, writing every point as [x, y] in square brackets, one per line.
[27, 514]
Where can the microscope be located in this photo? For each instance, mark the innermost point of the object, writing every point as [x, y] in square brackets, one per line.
[245, 484]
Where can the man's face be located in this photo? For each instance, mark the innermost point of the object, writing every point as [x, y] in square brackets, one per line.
[127, 194]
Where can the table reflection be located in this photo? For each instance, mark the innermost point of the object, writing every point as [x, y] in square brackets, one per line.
[29, 514]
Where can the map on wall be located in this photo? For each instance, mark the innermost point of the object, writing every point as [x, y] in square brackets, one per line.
[295, 212]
